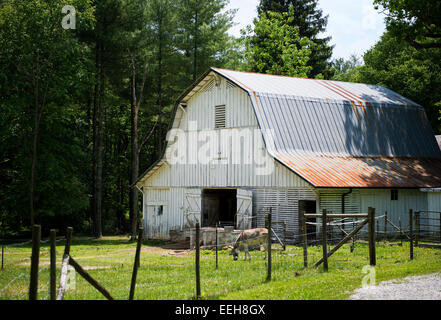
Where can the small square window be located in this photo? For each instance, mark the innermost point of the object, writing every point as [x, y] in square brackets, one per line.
[159, 210]
[394, 195]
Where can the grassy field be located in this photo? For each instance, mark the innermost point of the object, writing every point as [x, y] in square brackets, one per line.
[169, 274]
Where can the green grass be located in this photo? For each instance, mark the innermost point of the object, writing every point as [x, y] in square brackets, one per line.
[166, 276]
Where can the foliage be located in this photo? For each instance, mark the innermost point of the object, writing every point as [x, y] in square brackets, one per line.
[42, 64]
[412, 73]
[83, 71]
[346, 70]
[276, 47]
[416, 21]
[311, 24]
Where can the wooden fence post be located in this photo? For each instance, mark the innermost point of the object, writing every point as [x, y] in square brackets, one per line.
[268, 276]
[353, 238]
[385, 226]
[89, 279]
[217, 245]
[3, 244]
[417, 228]
[325, 240]
[400, 227]
[305, 239]
[65, 264]
[136, 264]
[198, 276]
[3, 253]
[53, 265]
[411, 232]
[69, 232]
[371, 226]
[377, 230]
[284, 235]
[33, 286]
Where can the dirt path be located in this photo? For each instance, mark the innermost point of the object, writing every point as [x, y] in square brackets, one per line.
[411, 288]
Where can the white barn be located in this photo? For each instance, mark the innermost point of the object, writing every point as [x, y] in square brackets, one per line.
[241, 143]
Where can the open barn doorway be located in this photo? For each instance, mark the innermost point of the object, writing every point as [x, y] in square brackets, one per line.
[218, 206]
[307, 206]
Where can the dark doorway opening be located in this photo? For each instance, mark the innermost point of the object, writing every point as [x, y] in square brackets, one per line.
[308, 207]
[218, 206]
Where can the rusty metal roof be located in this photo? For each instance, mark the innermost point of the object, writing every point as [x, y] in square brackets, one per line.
[365, 172]
[337, 134]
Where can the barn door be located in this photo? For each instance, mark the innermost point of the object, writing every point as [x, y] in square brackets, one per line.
[244, 214]
[192, 209]
[156, 222]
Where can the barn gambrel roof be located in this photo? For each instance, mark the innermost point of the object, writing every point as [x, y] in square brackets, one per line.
[338, 134]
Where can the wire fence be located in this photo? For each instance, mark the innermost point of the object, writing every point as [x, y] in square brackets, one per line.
[176, 277]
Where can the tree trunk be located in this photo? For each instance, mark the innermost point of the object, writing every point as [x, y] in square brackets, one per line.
[135, 105]
[98, 149]
[195, 47]
[133, 196]
[34, 151]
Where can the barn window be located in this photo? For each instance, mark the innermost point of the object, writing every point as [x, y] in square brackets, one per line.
[394, 195]
[159, 210]
[220, 117]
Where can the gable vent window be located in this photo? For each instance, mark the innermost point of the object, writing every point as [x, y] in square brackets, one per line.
[220, 117]
[230, 85]
[209, 87]
[394, 195]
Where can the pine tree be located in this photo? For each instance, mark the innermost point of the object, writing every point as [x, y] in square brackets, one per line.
[311, 22]
[275, 46]
[203, 27]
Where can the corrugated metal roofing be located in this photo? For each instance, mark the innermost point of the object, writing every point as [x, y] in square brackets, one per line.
[314, 89]
[337, 134]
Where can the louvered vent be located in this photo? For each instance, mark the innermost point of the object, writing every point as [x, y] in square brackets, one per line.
[209, 86]
[230, 85]
[220, 117]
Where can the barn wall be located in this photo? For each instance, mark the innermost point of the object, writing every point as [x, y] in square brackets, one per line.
[201, 107]
[156, 226]
[434, 201]
[176, 206]
[223, 170]
[285, 207]
[396, 210]
[380, 199]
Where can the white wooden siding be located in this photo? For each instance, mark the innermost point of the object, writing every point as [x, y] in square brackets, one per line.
[284, 204]
[224, 172]
[434, 201]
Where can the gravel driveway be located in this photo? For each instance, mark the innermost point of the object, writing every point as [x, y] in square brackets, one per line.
[411, 288]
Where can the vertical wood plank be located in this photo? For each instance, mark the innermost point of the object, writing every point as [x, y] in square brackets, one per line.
[417, 228]
[197, 263]
[136, 264]
[325, 240]
[53, 265]
[35, 258]
[217, 244]
[268, 276]
[305, 239]
[371, 234]
[69, 232]
[411, 232]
